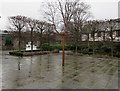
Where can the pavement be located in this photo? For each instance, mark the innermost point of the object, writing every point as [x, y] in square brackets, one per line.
[46, 72]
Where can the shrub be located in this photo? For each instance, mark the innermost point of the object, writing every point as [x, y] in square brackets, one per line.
[85, 52]
[45, 47]
[90, 49]
[105, 49]
[117, 55]
[117, 47]
[50, 47]
[69, 47]
[16, 53]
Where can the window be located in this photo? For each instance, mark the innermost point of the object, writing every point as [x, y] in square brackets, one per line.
[99, 34]
[118, 33]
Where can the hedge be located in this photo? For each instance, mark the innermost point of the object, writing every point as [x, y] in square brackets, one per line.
[16, 53]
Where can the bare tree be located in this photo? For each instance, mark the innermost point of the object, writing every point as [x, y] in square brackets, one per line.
[93, 29]
[63, 11]
[49, 31]
[41, 28]
[87, 31]
[80, 16]
[69, 11]
[31, 25]
[52, 15]
[18, 22]
[112, 25]
[103, 29]
[74, 15]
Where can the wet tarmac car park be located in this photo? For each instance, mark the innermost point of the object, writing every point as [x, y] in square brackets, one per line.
[46, 72]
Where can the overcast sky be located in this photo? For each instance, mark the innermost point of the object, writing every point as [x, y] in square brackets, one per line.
[100, 9]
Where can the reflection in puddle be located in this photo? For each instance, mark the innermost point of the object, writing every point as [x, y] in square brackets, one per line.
[46, 71]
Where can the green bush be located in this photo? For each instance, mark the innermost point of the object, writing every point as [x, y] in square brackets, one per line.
[117, 55]
[56, 46]
[100, 48]
[16, 53]
[90, 49]
[69, 47]
[50, 47]
[82, 47]
[85, 52]
[105, 49]
[117, 47]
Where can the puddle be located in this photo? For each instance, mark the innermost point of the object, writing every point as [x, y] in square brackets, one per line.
[47, 71]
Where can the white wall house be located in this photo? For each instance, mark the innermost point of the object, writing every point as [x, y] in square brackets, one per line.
[28, 46]
[102, 35]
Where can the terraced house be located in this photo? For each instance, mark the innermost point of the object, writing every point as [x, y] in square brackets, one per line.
[109, 30]
[105, 35]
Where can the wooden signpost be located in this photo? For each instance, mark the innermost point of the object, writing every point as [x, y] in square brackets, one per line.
[63, 46]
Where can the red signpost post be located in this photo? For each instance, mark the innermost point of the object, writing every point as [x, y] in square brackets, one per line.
[63, 46]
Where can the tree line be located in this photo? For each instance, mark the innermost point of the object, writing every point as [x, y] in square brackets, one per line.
[22, 23]
[72, 17]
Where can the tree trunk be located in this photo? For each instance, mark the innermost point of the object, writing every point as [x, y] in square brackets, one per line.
[112, 48]
[19, 44]
[88, 41]
[103, 36]
[111, 35]
[76, 47]
[76, 42]
[112, 51]
[40, 38]
[93, 44]
[48, 40]
[31, 40]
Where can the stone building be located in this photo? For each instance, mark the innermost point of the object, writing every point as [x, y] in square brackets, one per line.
[5, 41]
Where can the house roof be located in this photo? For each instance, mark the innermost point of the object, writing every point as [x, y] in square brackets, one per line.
[3, 34]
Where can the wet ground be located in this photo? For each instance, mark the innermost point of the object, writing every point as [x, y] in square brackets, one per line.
[46, 72]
